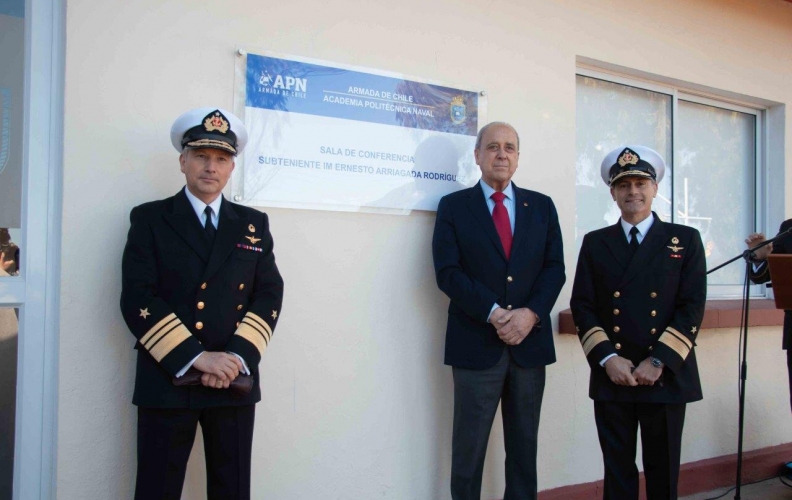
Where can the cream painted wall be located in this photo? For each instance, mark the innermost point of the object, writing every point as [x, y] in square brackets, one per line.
[357, 403]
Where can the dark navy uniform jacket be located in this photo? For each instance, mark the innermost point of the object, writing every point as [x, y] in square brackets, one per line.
[182, 295]
[762, 275]
[650, 303]
[472, 269]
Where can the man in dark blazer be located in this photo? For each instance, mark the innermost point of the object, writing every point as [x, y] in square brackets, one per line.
[760, 273]
[200, 291]
[498, 256]
[638, 302]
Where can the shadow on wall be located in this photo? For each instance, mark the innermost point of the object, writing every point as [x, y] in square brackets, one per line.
[435, 154]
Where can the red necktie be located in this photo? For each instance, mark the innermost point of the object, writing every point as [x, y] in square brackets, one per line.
[501, 219]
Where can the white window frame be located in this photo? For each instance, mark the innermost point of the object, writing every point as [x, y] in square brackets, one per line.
[36, 290]
[677, 93]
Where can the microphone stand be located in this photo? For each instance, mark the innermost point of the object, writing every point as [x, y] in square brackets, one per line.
[749, 256]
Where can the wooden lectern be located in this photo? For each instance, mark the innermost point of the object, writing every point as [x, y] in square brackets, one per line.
[781, 277]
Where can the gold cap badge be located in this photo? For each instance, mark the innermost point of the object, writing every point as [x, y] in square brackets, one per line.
[627, 158]
[216, 121]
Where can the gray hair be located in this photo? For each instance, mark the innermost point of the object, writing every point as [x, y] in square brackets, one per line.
[491, 124]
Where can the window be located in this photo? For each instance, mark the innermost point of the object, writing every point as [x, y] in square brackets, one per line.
[31, 112]
[711, 149]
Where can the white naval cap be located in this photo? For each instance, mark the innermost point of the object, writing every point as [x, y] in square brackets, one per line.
[209, 128]
[632, 161]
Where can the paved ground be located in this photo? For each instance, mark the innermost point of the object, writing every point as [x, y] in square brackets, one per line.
[771, 489]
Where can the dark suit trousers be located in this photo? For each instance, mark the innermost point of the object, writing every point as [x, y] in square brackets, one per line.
[661, 437]
[476, 397]
[165, 439]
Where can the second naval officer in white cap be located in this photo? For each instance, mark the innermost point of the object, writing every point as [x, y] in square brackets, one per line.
[202, 295]
[638, 302]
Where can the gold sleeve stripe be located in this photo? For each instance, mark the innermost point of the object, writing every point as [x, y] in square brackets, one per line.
[256, 328]
[161, 335]
[162, 325]
[675, 344]
[588, 334]
[263, 325]
[170, 342]
[680, 336]
[252, 335]
[594, 339]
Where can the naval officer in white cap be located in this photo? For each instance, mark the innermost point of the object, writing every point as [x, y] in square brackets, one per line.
[202, 295]
[638, 302]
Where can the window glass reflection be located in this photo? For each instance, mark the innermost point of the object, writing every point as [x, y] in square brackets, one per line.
[12, 70]
[717, 161]
[610, 115]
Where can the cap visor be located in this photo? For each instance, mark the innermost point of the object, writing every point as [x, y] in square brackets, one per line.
[631, 173]
[209, 143]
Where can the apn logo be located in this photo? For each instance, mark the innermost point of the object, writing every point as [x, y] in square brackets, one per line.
[281, 82]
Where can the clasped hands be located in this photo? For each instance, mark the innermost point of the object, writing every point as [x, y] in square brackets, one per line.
[513, 326]
[219, 369]
[622, 372]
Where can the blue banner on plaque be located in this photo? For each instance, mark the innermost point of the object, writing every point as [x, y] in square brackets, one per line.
[312, 89]
[330, 138]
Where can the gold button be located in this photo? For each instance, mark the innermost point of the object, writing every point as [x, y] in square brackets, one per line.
[203, 286]
[618, 346]
[201, 305]
[237, 324]
[241, 286]
[509, 279]
[650, 348]
[239, 307]
[653, 331]
[616, 329]
[653, 313]
[616, 294]
[616, 312]
[508, 308]
[199, 326]
[653, 295]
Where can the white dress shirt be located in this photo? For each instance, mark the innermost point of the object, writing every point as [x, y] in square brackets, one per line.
[200, 206]
[643, 228]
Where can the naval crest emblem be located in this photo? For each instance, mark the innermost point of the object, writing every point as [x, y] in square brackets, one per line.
[458, 110]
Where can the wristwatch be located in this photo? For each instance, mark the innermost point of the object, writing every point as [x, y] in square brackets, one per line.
[655, 362]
